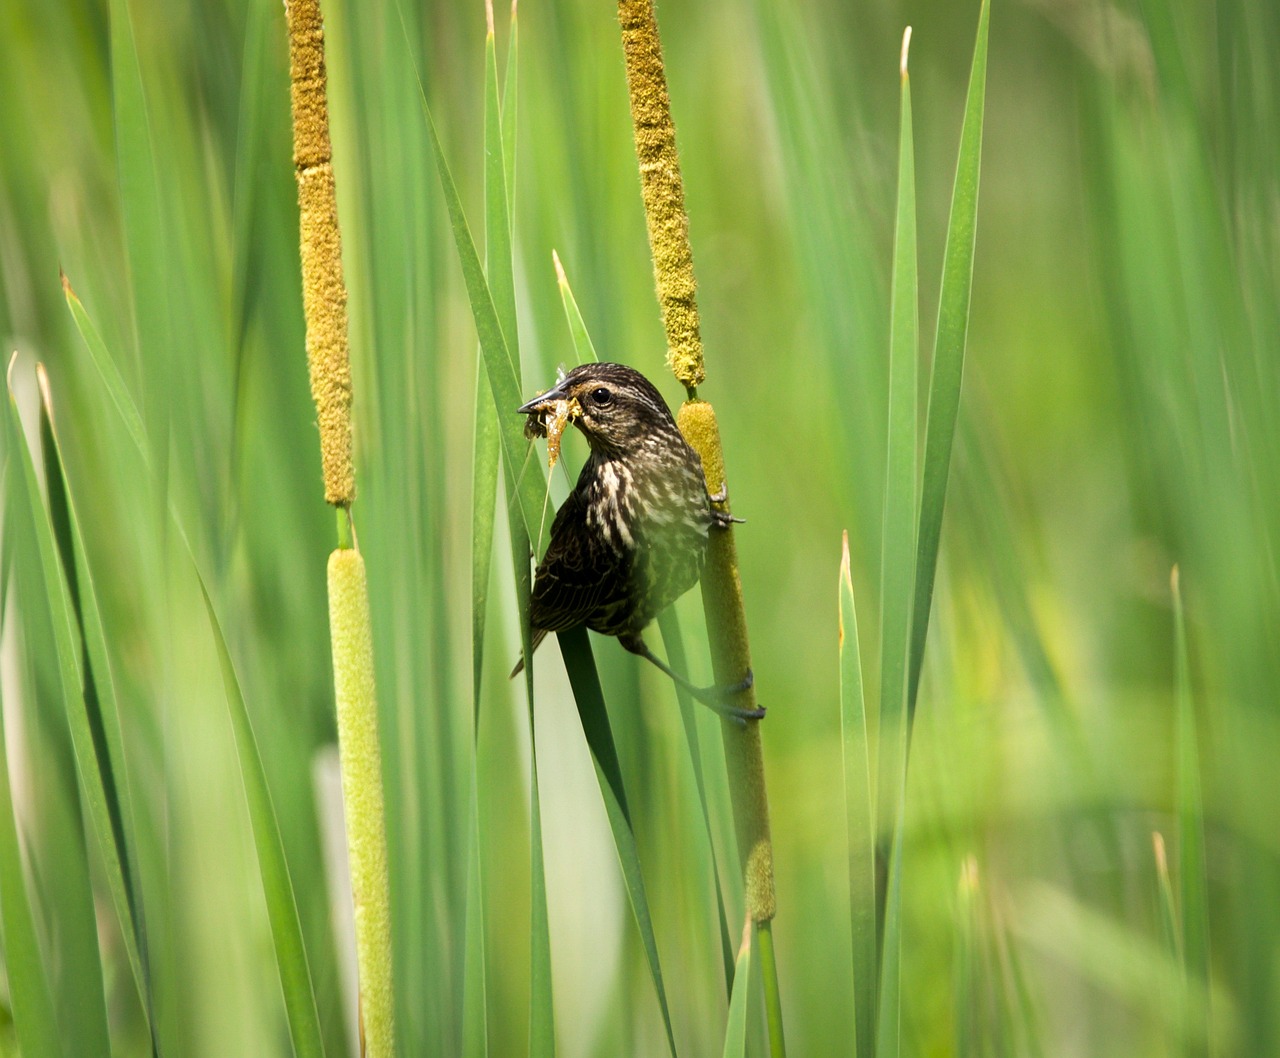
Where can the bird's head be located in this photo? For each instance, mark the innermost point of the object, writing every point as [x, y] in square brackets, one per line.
[617, 408]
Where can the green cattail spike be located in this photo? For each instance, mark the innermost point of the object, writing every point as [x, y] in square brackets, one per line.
[662, 190]
[361, 764]
[324, 292]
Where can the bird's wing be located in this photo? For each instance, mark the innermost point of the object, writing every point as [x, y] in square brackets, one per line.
[577, 576]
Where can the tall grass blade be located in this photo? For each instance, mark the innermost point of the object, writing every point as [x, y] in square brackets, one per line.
[475, 993]
[673, 643]
[897, 562]
[889, 1014]
[497, 205]
[1193, 897]
[500, 366]
[277, 885]
[948, 351]
[1168, 903]
[542, 1024]
[735, 1035]
[498, 260]
[772, 993]
[86, 978]
[147, 244]
[509, 111]
[897, 572]
[112, 380]
[100, 712]
[484, 493]
[583, 347]
[859, 817]
[581, 667]
[30, 1000]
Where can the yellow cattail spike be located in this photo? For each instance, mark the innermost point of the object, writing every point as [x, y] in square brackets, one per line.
[731, 659]
[361, 763]
[324, 292]
[662, 190]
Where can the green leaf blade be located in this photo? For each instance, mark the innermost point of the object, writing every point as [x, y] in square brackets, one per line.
[1193, 898]
[99, 701]
[277, 885]
[897, 568]
[107, 370]
[497, 209]
[949, 350]
[583, 347]
[90, 1030]
[735, 1036]
[30, 997]
[859, 817]
[529, 485]
[581, 667]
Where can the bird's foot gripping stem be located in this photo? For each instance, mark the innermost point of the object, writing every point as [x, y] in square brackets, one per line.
[717, 697]
[722, 519]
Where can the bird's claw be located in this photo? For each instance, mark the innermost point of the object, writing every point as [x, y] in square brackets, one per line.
[740, 716]
[721, 519]
[717, 698]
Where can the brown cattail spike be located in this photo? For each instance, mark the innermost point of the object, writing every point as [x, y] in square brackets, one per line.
[662, 190]
[324, 293]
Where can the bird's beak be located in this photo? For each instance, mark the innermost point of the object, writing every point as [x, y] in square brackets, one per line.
[539, 402]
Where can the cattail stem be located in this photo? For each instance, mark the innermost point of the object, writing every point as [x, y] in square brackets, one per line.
[662, 190]
[324, 301]
[668, 223]
[731, 661]
[324, 292]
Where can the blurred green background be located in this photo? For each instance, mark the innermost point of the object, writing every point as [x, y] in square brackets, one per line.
[1121, 415]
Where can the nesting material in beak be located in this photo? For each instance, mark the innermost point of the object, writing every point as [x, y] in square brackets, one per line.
[548, 416]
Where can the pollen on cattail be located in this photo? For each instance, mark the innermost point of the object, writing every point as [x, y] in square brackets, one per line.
[324, 292]
[662, 190]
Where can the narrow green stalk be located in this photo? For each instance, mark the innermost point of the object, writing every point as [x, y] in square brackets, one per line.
[897, 564]
[735, 1036]
[948, 352]
[860, 824]
[772, 997]
[1192, 871]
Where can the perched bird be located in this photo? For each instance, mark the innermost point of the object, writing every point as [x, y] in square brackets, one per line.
[632, 536]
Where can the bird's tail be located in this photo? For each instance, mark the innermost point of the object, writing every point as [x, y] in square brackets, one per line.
[539, 634]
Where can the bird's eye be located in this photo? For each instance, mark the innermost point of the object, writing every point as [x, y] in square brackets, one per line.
[601, 396]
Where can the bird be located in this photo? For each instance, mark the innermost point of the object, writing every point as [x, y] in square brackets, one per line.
[632, 536]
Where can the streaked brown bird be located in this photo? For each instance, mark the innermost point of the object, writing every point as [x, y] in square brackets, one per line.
[632, 536]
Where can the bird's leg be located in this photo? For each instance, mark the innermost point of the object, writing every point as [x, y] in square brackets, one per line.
[714, 697]
[721, 519]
